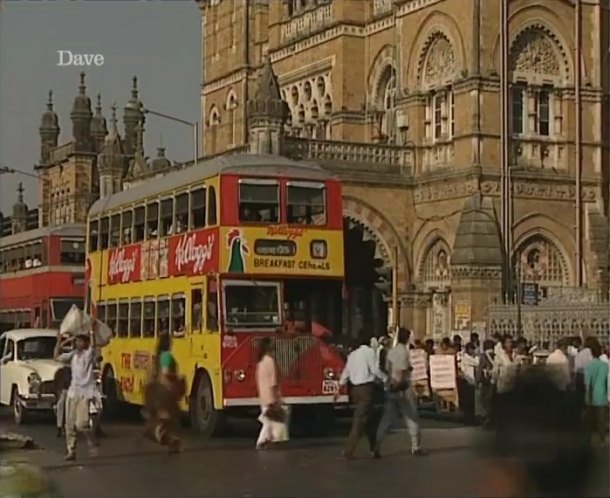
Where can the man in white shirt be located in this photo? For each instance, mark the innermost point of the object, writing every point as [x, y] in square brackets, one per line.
[583, 358]
[82, 391]
[361, 370]
[558, 363]
[400, 400]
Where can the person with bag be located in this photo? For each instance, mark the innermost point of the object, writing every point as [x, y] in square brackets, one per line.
[82, 390]
[273, 417]
[162, 396]
[400, 400]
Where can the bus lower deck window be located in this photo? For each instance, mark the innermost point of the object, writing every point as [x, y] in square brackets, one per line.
[149, 319]
[178, 315]
[163, 316]
[122, 327]
[135, 319]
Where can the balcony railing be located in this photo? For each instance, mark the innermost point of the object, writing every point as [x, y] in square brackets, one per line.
[306, 23]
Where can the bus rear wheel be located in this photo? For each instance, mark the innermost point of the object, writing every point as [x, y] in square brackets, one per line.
[204, 417]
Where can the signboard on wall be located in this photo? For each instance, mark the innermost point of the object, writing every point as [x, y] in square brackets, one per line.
[461, 316]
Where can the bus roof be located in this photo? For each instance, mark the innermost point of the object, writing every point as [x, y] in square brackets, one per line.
[68, 230]
[247, 164]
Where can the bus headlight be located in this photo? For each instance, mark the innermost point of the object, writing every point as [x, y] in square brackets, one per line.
[34, 382]
[240, 375]
[329, 374]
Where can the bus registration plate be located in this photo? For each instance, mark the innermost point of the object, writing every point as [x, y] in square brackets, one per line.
[330, 387]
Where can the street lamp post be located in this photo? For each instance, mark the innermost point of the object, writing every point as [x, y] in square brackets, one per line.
[194, 126]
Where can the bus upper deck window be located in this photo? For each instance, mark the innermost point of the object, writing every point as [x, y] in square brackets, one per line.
[306, 203]
[259, 202]
[138, 224]
[115, 230]
[212, 206]
[127, 229]
[104, 232]
[197, 208]
[167, 217]
[181, 220]
[93, 235]
[152, 220]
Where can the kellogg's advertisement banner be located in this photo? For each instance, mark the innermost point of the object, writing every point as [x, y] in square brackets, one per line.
[188, 254]
[281, 249]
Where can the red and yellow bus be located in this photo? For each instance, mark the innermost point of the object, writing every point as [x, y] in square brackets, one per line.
[42, 274]
[221, 255]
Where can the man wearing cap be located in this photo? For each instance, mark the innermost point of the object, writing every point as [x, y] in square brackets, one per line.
[81, 392]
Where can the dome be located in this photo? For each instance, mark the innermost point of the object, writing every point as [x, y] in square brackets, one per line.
[49, 120]
[20, 208]
[160, 163]
[82, 103]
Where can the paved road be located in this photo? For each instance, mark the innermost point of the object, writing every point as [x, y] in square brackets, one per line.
[304, 468]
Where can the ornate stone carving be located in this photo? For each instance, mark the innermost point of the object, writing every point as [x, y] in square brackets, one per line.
[442, 190]
[541, 190]
[534, 52]
[440, 65]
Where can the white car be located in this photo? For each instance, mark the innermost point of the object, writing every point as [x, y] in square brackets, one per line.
[27, 371]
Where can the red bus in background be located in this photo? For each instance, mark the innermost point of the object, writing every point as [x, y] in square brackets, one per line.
[42, 274]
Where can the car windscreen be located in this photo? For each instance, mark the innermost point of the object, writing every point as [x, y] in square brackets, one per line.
[36, 348]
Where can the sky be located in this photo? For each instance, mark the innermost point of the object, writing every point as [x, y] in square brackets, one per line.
[156, 40]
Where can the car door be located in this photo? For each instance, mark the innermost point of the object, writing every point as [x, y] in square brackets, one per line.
[6, 367]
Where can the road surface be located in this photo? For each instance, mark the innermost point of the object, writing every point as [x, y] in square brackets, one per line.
[304, 468]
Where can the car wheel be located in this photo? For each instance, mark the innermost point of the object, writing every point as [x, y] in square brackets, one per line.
[204, 417]
[19, 411]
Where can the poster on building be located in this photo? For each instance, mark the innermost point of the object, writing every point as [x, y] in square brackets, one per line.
[461, 316]
[442, 372]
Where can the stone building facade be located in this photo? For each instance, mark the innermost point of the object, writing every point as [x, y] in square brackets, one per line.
[401, 100]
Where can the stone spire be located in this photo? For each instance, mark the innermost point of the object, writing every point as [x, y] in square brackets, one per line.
[20, 212]
[49, 131]
[81, 116]
[267, 113]
[111, 160]
[99, 130]
[138, 166]
[132, 115]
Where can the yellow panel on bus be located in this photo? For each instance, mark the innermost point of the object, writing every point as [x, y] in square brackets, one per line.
[281, 250]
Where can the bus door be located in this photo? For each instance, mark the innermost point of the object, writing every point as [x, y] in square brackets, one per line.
[196, 322]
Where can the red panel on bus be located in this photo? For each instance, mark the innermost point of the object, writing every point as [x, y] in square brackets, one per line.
[194, 253]
[124, 265]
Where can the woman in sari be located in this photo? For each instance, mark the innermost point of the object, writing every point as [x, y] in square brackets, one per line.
[163, 393]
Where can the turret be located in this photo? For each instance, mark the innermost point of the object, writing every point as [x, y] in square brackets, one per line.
[111, 160]
[132, 116]
[19, 219]
[99, 130]
[81, 119]
[49, 131]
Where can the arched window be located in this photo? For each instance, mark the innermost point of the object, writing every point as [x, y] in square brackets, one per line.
[232, 125]
[438, 72]
[536, 73]
[435, 269]
[213, 122]
[386, 104]
[538, 260]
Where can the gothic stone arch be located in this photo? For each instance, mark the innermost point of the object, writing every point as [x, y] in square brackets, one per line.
[379, 229]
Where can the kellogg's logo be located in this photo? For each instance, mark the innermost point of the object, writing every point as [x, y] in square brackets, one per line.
[122, 266]
[191, 252]
[290, 233]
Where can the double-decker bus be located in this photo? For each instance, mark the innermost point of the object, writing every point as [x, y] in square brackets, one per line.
[42, 274]
[220, 255]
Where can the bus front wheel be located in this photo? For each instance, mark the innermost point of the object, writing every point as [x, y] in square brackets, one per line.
[204, 417]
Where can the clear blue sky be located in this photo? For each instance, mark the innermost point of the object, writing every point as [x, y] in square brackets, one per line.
[157, 40]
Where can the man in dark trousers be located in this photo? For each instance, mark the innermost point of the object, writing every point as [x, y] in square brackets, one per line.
[362, 371]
